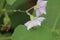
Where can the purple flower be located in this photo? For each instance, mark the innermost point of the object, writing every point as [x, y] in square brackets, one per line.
[35, 22]
[40, 7]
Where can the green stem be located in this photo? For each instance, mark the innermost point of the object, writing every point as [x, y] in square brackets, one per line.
[27, 11]
[54, 26]
[5, 10]
[3, 4]
[30, 9]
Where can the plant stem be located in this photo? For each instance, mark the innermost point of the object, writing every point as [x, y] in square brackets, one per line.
[3, 4]
[54, 26]
[5, 10]
[27, 11]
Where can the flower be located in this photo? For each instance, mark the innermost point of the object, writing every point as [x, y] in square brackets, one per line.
[35, 22]
[40, 7]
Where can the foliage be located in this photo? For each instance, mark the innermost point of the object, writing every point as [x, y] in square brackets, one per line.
[50, 29]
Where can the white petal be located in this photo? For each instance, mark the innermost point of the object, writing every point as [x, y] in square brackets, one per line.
[40, 19]
[43, 5]
[36, 22]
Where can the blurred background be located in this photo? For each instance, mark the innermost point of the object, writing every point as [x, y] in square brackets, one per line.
[12, 30]
[15, 17]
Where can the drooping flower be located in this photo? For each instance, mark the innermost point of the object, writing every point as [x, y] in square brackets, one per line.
[40, 7]
[35, 22]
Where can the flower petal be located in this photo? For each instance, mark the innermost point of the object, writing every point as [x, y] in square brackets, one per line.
[38, 12]
[39, 1]
[43, 5]
[40, 19]
[31, 24]
[42, 9]
[36, 22]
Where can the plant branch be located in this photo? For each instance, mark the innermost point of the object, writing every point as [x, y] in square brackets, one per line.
[54, 26]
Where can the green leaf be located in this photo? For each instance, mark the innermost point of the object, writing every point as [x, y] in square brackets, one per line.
[19, 4]
[21, 33]
[11, 2]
